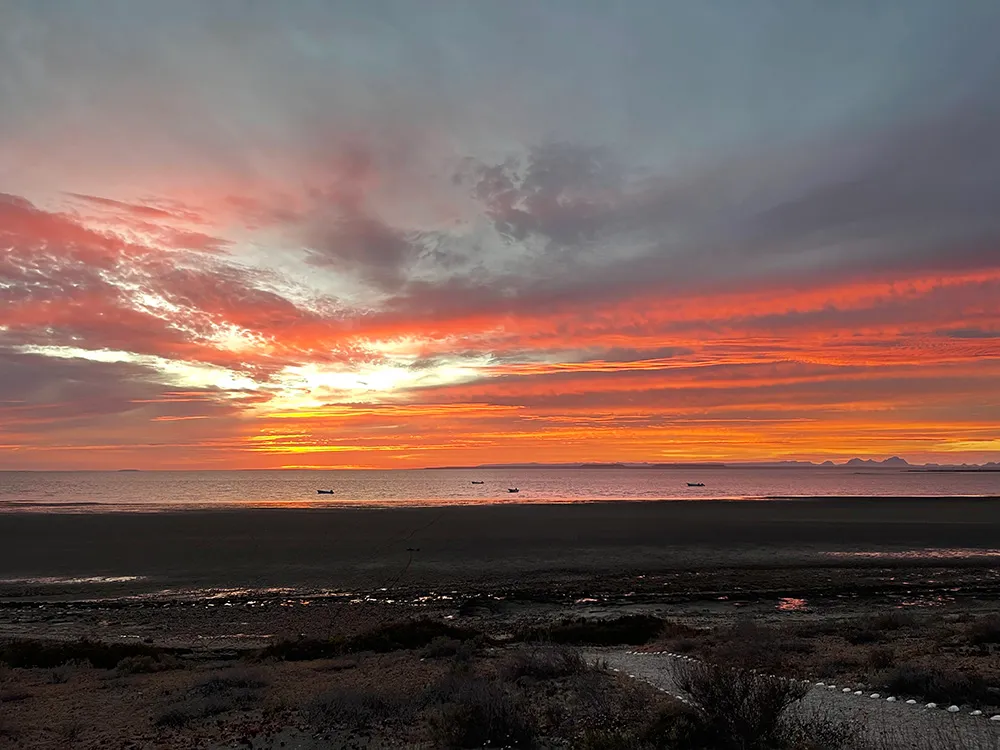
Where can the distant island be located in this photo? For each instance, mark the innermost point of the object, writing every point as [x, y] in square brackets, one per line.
[893, 462]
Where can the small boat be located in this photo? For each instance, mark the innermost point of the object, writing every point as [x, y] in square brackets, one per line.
[513, 489]
[475, 482]
[696, 484]
[324, 492]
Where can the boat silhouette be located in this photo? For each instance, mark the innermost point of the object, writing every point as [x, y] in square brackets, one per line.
[324, 492]
[513, 489]
[696, 484]
[475, 482]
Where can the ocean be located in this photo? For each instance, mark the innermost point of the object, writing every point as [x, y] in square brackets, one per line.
[153, 491]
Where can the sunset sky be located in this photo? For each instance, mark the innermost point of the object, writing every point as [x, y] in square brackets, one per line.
[401, 234]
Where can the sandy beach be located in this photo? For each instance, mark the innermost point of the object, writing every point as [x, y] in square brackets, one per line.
[492, 545]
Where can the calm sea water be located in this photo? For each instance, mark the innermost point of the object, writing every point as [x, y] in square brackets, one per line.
[103, 492]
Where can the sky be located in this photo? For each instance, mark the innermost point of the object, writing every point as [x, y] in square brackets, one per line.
[398, 234]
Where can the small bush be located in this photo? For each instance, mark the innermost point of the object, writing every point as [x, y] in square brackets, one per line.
[441, 647]
[146, 664]
[894, 619]
[677, 727]
[938, 685]
[393, 637]
[609, 739]
[359, 709]
[684, 646]
[863, 634]
[881, 658]
[543, 661]
[220, 694]
[14, 696]
[228, 682]
[740, 709]
[29, 654]
[407, 635]
[302, 649]
[173, 718]
[819, 734]
[482, 713]
[632, 630]
[747, 645]
[59, 675]
[985, 630]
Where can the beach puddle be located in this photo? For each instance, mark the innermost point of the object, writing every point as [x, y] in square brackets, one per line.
[791, 604]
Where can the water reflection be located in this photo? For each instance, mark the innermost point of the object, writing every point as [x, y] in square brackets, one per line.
[791, 604]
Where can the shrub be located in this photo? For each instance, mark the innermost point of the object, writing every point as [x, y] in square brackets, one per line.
[633, 630]
[985, 630]
[229, 691]
[229, 682]
[677, 727]
[441, 647]
[303, 649]
[407, 635]
[393, 637]
[894, 619]
[740, 709]
[863, 634]
[482, 713]
[937, 684]
[359, 709]
[543, 661]
[146, 664]
[748, 645]
[881, 658]
[27, 654]
[819, 734]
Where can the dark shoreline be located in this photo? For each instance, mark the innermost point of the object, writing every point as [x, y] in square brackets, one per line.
[471, 545]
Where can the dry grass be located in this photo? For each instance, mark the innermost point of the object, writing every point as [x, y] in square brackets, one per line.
[358, 709]
[543, 661]
[233, 690]
[476, 712]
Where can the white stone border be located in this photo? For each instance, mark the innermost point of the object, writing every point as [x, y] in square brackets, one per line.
[951, 708]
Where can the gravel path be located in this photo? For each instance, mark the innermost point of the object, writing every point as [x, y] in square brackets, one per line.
[888, 724]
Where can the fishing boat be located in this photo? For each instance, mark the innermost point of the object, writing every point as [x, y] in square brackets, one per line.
[513, 489]
[475, 482]
[696, 484]
[324, 492]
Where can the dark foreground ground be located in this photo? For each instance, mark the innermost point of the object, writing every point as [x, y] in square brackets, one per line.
[271, 626]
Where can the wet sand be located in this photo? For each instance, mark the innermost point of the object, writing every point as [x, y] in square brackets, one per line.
[498, 544]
